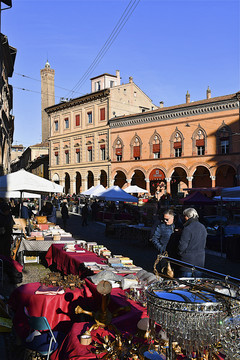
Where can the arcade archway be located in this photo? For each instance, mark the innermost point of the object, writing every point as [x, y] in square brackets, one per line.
[157, 181]
[201, 178]
[56, 179]
[78, 183]
[226, 176]
[67, 183]
[138, 179]
[103, 178]
[178, 181]
[90, 180]
[120, 179]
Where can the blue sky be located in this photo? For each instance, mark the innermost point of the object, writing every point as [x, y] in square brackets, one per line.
[168, 47]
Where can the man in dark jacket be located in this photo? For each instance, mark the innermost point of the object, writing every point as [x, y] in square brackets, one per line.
[164, 231]
[191, 248]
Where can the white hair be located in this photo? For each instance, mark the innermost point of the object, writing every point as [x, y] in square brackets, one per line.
[191, 213]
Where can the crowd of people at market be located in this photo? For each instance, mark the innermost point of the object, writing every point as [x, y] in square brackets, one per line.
[182, 236]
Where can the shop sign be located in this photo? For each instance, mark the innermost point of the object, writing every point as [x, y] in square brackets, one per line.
[157, 174]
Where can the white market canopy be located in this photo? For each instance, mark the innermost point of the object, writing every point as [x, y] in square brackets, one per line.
[94, 190]
[133, 189]
[18, 194]
[25, 181]
[115, 193]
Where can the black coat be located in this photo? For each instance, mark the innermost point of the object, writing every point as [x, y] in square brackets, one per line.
[191, 248]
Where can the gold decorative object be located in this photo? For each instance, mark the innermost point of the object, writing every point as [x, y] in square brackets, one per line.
[66, 281]
[119, 348]
[103, 317]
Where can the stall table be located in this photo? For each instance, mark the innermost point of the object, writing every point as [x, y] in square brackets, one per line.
[43, 245]
[58, 309]
[126, 322]
[70, 262]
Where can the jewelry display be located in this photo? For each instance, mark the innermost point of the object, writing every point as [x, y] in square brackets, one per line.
[197, 313]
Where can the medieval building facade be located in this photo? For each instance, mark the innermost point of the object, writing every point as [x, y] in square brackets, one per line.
[195, 144]
[7, 60]
[79, 155]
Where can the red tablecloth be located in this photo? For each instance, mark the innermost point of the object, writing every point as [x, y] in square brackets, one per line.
[58, 309]
[125, 322]
[70, 263]
[11, 263]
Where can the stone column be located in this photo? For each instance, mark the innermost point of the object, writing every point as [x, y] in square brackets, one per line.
[96, 181]
[73, 186]
[213, 178]
[84, 184]
[148, 185]
[189, 179]
[168, 185]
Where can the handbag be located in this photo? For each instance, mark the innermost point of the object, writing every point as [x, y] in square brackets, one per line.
[166, 270]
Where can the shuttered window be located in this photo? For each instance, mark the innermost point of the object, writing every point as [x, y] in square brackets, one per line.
[77, 118]
[102, 114]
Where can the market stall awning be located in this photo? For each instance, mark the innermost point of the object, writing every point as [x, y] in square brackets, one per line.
[93, 190]
[197, 198]
[231, 192]
[17, 195]
[115, 193]
[25, 181]
[134, 189]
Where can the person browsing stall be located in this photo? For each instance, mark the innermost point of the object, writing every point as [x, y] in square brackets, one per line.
[191, 247]
[164, 231]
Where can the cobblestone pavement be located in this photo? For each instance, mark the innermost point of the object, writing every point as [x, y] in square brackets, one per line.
[144, 256]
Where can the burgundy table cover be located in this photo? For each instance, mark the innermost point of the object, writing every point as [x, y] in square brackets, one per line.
[10, 262]
[71, 347]
[68, 262]
[58, 309]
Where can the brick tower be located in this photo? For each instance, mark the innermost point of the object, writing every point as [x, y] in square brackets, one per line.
[47, 97]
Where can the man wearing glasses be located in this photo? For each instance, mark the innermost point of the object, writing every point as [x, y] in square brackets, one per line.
[164, 231]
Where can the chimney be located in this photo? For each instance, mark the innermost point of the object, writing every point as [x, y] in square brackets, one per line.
[187, 98]
[130, 79]
[161, 104]
[118, 77]
[208, 93]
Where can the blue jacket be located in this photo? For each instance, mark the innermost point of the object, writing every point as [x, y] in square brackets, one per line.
[192, 243]
[53, 216]
[162, 235]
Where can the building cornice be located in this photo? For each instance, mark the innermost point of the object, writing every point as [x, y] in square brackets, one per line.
[78, 101]
[176, 112]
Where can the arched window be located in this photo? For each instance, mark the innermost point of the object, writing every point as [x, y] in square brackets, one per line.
[176, 144]
[199, 142]
[224, 135]
[155, 146]
[118, 149]
[136, 145]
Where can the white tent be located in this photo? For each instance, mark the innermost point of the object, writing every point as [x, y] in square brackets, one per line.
[88, 191]
[17, 195]
[94, 190]
[25, 181]
[133, 189]
[115, 193]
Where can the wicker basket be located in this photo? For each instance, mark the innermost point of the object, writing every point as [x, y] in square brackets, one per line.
[41, 219]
